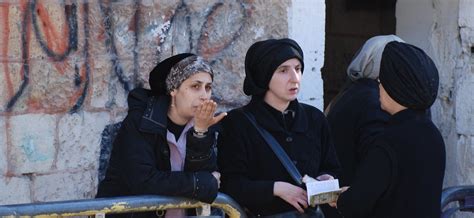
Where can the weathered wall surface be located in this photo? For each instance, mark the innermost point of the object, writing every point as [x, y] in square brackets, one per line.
[67, 66]
[445, 29]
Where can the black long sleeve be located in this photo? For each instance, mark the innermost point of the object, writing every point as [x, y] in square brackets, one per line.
[372, 180]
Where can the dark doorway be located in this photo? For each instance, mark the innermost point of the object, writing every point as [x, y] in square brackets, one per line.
[349, 23]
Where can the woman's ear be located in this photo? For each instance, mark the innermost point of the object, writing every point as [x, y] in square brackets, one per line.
[173, 93]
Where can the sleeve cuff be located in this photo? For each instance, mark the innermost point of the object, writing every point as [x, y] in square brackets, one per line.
[205, 187]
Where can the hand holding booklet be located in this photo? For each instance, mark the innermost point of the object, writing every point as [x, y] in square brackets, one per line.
[321, 192]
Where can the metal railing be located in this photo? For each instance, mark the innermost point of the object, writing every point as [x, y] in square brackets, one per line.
[463, 195]
[130, 204]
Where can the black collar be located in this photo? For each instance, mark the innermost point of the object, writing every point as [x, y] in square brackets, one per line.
[408, 114]
[269, 122]
[154, 119]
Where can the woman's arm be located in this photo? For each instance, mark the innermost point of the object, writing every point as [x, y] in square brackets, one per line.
[371, 181]
[200, 152]
[234, 164]
[137, 165]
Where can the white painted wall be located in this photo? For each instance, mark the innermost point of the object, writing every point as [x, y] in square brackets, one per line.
[306, 24]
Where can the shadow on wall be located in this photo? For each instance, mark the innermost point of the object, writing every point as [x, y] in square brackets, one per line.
[106, 145]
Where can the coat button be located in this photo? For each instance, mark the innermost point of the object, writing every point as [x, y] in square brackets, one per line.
[289, 139]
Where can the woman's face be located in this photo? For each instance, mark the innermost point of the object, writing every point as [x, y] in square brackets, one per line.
[191, 93]
[285, 83]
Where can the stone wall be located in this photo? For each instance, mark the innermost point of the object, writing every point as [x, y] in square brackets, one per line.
[66, 68]
[445, 29]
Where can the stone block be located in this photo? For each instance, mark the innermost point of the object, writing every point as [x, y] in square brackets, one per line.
[65, 186]
[10, 83]
[463, 107]
[14, 190]
[11, 32]
[466, 159]
[3, 146]
[33, 143]
[79, 136]
[111, 85]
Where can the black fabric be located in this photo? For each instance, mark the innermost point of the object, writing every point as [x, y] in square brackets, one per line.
[175, 129]
[285, 119]
[263, 58]
[355, 120]
[157, 78]
[248, 166]
[140, 159]
[402, 175]
[277, 150]
[409, 75]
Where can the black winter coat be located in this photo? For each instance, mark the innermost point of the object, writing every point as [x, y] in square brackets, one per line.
[356, 120]
[249, 167]
[140, 159]
[402, 175]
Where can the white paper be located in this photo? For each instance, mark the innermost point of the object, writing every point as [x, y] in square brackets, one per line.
[318, 187]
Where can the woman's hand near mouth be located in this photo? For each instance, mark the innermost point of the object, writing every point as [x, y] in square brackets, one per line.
[204, 116]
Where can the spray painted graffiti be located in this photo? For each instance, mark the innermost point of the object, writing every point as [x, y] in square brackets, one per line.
[66, 67]
[66, 40]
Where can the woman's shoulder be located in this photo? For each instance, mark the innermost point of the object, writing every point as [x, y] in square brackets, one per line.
[312, 111]
[234, 115]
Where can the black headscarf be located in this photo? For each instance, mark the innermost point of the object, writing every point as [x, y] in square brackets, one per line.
[157, 78]
[409, 75]
[263, 58]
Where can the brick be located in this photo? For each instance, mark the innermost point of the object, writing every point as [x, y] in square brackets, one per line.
[14, 190]
[67, 186]
[32, 148]
[79, 140]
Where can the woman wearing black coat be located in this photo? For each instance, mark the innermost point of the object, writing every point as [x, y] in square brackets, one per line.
[165, 144]
[251, 172]
[402, 175]
[354, 116]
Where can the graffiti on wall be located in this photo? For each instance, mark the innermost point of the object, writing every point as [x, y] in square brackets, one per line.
[63, 42]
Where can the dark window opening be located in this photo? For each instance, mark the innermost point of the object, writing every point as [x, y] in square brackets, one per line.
[349, 23]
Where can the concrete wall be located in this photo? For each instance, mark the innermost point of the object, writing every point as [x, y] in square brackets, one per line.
[445, 29]
[66, 69]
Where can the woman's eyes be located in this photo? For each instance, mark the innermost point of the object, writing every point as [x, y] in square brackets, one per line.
[197, 87]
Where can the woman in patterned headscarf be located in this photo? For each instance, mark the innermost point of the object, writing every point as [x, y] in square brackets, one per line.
[165, 144]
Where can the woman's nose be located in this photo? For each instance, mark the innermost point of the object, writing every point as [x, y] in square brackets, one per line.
[204, 95]
[295, 75]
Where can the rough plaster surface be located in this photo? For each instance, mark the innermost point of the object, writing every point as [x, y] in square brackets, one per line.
[78, 136]
[3, 147]
[447, 34]
[33, 143]
[67, 186]
[14, 190]
[66, 69]
[465, 112]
